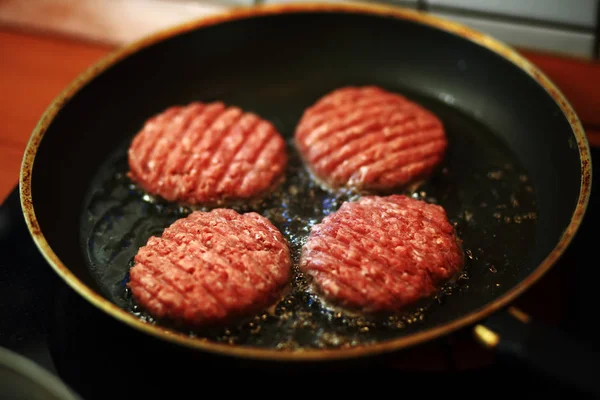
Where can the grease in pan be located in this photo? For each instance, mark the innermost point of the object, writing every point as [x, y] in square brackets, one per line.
[473, 190]
[372, 137]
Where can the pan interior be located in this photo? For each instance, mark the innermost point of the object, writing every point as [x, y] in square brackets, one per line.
[481, 184]
[511, 152]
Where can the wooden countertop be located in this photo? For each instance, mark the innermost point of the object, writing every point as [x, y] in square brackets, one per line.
[36, 67]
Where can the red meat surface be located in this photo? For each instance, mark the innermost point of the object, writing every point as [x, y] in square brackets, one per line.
[370, 139]
[381, 254]
[210, 267]
[206, 153]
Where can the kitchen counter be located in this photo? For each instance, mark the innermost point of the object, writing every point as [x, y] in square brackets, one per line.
[34, 69]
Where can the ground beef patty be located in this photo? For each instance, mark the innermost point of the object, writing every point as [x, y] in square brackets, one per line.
[210, 267]
[206, 153]
[380, 254]
[369, 139]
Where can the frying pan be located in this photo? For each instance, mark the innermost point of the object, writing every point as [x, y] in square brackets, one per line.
[516, 180]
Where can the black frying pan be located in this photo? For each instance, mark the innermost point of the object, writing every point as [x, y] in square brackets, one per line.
[516, 180]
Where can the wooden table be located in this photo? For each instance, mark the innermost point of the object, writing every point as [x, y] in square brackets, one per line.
[34, 68]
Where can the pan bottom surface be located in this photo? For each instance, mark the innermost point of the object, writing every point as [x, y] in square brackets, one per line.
[486, 192]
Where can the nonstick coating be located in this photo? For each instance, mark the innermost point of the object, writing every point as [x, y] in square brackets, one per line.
[277, 64]
[487, 195]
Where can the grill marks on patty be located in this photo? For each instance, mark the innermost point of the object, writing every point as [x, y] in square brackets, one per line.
[381, 254]
[370, 139]
[207, 153]
[210, 267]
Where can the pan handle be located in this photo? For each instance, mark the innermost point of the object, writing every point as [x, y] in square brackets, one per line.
[516, 337]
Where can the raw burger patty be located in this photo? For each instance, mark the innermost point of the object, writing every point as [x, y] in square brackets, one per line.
[206, 153]
[380, 254]
[369, 139]
[210, 267]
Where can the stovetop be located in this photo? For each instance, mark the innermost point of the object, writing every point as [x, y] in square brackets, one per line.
[44, 320]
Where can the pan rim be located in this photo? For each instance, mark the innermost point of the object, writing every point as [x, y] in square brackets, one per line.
[113, 58]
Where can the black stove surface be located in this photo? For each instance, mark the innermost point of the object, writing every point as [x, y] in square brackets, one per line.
[44, 320]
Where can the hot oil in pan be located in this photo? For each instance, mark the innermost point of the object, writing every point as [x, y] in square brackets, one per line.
[485, 192]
